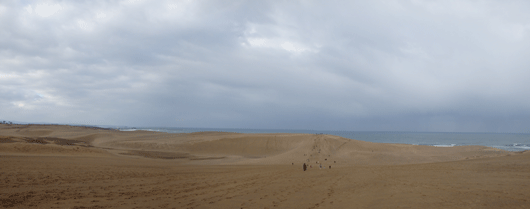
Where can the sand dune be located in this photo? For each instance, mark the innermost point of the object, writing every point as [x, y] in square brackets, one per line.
[77, 167]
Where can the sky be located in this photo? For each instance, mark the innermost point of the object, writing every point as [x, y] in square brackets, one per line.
[434, 66]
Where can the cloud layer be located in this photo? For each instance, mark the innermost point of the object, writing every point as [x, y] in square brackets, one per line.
[366, 65]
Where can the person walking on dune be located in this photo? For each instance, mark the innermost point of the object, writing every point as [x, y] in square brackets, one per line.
[304, 166]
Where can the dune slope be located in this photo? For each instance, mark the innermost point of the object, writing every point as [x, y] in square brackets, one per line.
[77, 167]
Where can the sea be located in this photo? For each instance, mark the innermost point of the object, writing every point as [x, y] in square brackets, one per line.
[515, 142]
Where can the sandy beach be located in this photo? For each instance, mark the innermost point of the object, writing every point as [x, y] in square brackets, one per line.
[51, 166]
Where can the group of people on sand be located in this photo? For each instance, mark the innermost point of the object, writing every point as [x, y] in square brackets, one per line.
[306, 166]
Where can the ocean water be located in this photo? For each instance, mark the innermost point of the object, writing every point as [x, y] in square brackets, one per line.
[507, 141]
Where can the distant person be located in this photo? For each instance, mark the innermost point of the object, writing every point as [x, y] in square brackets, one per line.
[320, 166]
[330, 167]
[304, 166]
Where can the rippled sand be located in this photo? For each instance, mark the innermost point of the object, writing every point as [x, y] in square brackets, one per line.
[75, 167]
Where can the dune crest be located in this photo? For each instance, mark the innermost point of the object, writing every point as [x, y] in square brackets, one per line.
[235, 148]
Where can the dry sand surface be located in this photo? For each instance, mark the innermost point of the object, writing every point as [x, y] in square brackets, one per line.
[48, 166]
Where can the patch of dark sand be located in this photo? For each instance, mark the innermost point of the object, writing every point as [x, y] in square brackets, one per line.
[168, 155]
[35, 140]
[7, 140]
[206, 158]
[44, 140]
[60, 141]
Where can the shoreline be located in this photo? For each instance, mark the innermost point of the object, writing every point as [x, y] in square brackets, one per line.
[512, 145]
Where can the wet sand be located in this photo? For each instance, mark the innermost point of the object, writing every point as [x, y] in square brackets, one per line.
[76, 167]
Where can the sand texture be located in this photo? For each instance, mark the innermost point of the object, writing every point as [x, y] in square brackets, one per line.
[49, 166]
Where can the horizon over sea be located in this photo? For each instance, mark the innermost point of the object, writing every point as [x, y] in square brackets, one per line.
[507, 141]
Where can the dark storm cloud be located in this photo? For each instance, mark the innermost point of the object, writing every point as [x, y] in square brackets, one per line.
[389, 65]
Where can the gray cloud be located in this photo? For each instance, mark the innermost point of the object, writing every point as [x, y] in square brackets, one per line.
[386, 66]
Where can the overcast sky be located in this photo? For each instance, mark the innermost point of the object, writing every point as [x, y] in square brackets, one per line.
[328, 65]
